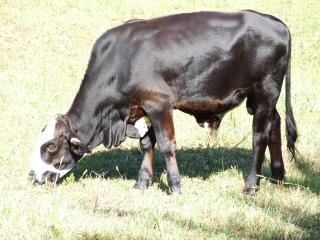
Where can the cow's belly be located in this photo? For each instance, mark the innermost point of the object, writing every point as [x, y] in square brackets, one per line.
[212, 110]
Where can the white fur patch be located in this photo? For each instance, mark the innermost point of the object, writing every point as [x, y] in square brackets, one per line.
[37, 164]
[75, 140]
[41, 167]
[142, 126]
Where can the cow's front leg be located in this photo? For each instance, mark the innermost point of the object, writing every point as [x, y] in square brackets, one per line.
[160, 114]
[167, 146]
[145, 173]
[261, 127]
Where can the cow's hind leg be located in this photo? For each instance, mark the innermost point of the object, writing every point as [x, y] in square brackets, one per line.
[160, 113]
[274, 144]
[261, 127]
[145, 173]
[268, 92]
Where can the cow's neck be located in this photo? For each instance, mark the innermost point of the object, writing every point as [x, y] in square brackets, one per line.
[82, 115]
[96, 107]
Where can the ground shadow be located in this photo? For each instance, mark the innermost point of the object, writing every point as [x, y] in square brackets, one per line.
[304, 220]
[201, 163]
[193, 162]
[231, 230]
[310, 224]
[310, 172]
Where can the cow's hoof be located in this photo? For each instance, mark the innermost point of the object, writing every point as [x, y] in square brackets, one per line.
[277, 176]
[174, 182]
[250, 190]
[175, 189]
[142, 185]
[276, 180]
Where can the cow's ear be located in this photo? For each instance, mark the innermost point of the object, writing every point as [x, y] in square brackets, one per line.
[77, 147]
[132, 132]
[51, 147]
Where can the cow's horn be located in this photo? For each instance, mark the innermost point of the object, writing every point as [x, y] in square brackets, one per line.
[75, 140]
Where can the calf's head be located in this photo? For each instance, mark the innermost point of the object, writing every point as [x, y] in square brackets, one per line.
[57, 150]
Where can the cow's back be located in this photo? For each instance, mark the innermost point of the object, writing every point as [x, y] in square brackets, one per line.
[193, 58]
[200, 52]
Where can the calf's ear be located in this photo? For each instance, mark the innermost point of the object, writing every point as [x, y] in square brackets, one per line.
[77, 147]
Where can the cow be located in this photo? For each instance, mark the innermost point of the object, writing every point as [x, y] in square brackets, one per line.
[203, 63]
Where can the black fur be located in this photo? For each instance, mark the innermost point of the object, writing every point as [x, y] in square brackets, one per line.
[291, 127]
[204, 64]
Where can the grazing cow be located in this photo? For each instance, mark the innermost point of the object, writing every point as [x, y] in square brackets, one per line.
[204, 64]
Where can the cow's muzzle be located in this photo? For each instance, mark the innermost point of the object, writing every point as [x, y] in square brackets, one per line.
[47, 177]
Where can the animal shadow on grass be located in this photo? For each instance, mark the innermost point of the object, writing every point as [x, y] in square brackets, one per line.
[192, 162]
[311, 174]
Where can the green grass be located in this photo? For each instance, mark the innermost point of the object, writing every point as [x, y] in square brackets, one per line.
[44, 50]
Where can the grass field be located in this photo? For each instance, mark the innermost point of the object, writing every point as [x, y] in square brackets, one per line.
[44, 50]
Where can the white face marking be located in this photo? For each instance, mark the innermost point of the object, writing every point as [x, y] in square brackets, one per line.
[142, 126]
[37, 164]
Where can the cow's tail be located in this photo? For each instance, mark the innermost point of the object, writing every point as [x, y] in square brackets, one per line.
[291, 127]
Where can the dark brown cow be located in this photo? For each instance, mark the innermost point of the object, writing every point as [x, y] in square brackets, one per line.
[203, 63]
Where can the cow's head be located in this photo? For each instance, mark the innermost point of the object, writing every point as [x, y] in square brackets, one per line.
[57, 150]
